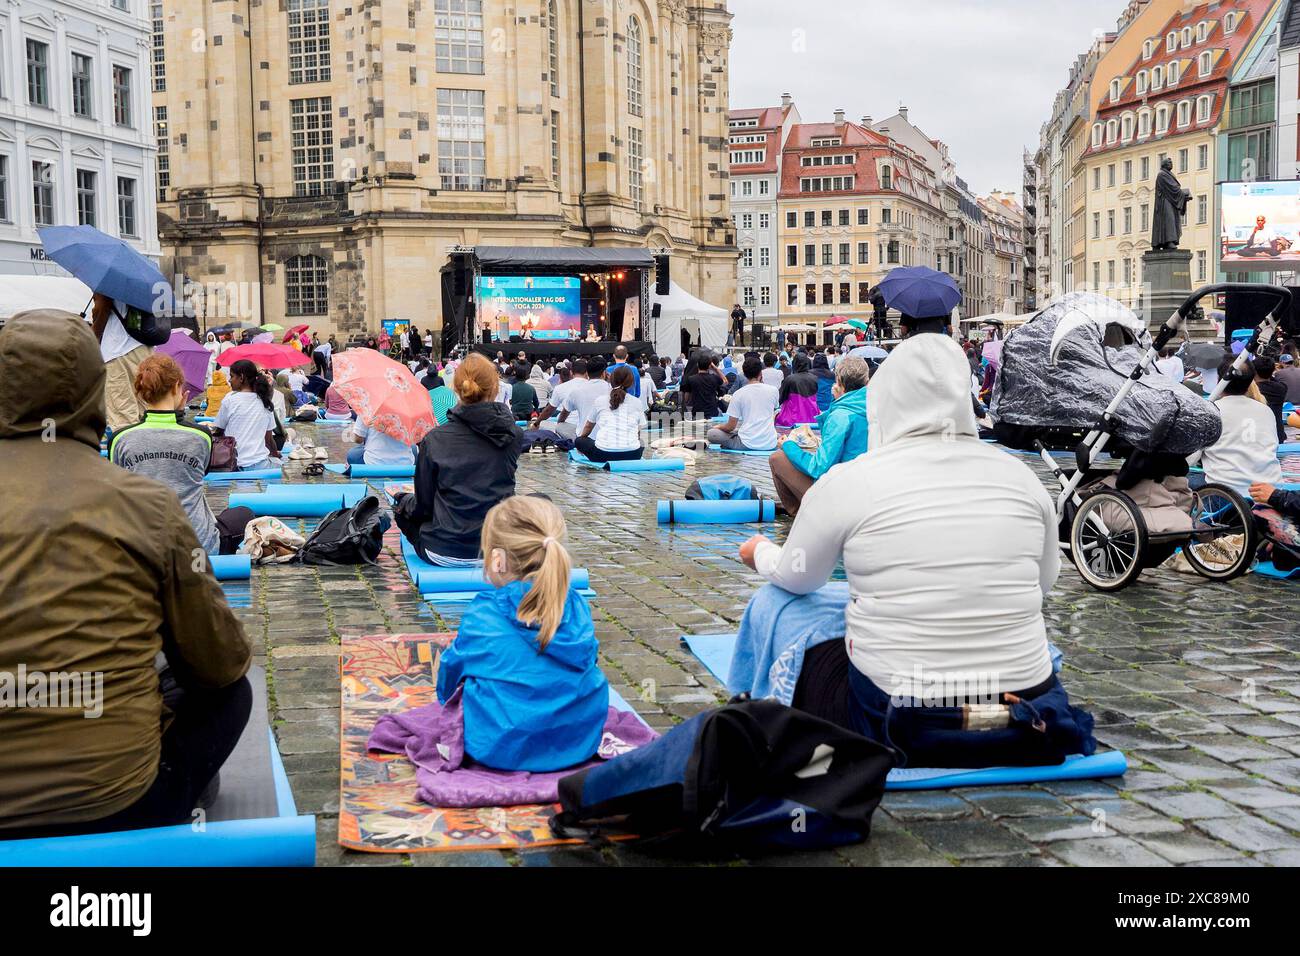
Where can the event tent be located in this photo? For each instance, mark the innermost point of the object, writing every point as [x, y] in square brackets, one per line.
[19, 293]
[705, 323]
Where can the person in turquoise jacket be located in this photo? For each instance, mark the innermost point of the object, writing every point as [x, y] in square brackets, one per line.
[843, 431]
[534, 697]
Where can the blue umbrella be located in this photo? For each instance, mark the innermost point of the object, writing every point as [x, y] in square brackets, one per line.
[920, 292]
[109, 266]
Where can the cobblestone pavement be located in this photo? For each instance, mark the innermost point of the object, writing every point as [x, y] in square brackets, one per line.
[1199, 683]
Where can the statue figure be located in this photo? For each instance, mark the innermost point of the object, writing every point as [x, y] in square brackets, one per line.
[1170, 206]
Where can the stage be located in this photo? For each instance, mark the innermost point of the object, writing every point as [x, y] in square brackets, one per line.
[536, 350]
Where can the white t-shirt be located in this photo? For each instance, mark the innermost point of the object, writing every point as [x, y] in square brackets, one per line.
[581, 402]
[277, 403]
[617, 429]
[755, 406]
[773, 376]
[244, 418]
[1246, 451]
[381, 449]
[561, 390]
[115, 342]
[297, 381]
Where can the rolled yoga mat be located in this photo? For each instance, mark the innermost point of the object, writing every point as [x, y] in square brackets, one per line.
[230, 567]
[1289, 448]
[716, 512]
[373, 471]
[260, 474]
[453, 580]
[642, 464]
[757, 452]
[300, 501]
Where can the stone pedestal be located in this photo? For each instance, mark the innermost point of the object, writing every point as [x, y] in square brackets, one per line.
[1166, 284]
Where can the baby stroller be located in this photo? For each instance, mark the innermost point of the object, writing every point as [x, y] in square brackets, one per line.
[1076, 378]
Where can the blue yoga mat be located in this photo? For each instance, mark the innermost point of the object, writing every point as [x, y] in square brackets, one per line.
[260, 474]
[373, 471]
[1290, 448]
[715, 512]
[458, 585]
[300, 501]
[714, 651]
[330, 421]
[200, 419]
[643, 464]
[230, 567]
[756, 452]
[1267, 569]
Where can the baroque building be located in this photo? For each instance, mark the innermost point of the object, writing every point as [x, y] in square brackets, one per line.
[323, 157]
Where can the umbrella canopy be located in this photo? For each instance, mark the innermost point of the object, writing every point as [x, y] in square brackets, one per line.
[193, 359]
[271, 327]
[868, 352]
[109, 266]
[857, 324]
[263, 338]
[1204, 355]
[920, 292]
[836, 320]
[384, 394]
[231, 327]
[294, 332]
[264, 354]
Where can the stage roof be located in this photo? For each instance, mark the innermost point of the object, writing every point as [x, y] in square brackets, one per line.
[581, 258]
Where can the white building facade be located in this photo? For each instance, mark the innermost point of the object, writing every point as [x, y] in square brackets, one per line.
[76, 125]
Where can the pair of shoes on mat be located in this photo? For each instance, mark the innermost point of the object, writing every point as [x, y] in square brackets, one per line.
[313, 470]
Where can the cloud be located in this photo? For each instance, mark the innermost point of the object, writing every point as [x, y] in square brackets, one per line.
[978, 74]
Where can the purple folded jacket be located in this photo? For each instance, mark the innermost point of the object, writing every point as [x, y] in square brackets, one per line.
[433, 738]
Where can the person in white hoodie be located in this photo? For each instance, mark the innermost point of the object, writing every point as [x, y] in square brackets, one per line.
[949, 546]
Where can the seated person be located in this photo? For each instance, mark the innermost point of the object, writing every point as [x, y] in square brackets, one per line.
[462, 469]
[441, 396]
[336, 406]
[705, 386]
[921, 613]
[1246, 451]
[247, 415]
[749, 425]
[377, 448]
[620, 361]
[575, 400]
[842, 436]
[168, 449]
[613, 430]
[523, 397]
[1273, 392]
[218, 389]
[534, 696]
[1278, 513]
[798, 395]
[98, 579]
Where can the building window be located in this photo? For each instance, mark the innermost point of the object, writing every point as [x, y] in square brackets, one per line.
[886, 178]
[159, 52]
[122, 96]
[1145, 216]
[1128, 219]
[1205, 63]
[83, 100]
[1202, 209]
[1230, 22]
[747, 257]
[828, 293]
[764, 256]
[862, 216]
[1141, 82]
[555, 147]
[1110, 222]
[1182, 160]
[458, 36]
[126, 207]
[826, 218]
[747, 296]
[553, 46]
[164, 161]
[1146, 167]
[845, 254]
[791, 255]
[844, 217]
[43, 193]
[828, 254]
[810, 294]
[747, 221]
[1162, 120]
[765, 294]
[1096, 275]
[1096, 134]
[844, 293]
[1128, 171]
[1114, 90]
[1202, 157]
[893, 253]
[312, 139]
[306, 286]
[864, 293]
[1203, 105]
[86, 197]
[791, 294]
[1096, 225]
[1110, 272]
[1144, 123]
[1096, 177]
[864, 253]
[635, 164]
[1184, 113]
[746, 187]
[791, 220]
[763, 187]
[809, 219]
[38, 73]
[4, 188]
[309, 40]
[1110, 175]
[1171, 79]
[462, 162]
[809, 256]
[634, 66]
[764, 221]
[1200, 265]
[1157, 77]
[1128, 272]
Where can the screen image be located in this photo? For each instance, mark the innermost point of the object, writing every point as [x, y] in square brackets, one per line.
[1260, 225]
[533, 307]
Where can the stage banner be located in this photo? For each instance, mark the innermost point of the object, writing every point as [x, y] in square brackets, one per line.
[1260, 225]
[538, 308]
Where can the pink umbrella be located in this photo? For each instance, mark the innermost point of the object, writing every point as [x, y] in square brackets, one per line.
[266, 355]
[384, 394]
[193, 359]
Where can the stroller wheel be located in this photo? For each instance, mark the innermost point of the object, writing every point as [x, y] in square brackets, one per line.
[1108, 540]
[1226, 538]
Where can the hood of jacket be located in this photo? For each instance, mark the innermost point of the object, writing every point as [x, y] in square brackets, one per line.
[492, 420]
[572, 646]
[922, 390]
[51, 371]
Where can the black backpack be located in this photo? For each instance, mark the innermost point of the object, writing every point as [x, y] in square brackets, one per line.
[754, 774]
[348, 536]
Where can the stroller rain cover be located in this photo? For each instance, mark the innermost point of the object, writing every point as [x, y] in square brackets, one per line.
[1033, 391]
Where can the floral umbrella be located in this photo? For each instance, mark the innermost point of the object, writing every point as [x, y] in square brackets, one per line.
[384, 394]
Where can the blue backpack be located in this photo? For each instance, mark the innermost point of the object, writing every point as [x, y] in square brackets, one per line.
[755, 775]
[721, 488]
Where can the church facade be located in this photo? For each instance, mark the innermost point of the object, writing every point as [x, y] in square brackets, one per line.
[323, 157]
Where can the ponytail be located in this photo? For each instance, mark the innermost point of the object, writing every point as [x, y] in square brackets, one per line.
[529, 532]
[621, 381]
[543, 605]
[248, 372]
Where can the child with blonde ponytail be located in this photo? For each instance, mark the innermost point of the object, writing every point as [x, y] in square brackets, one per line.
[534, 697]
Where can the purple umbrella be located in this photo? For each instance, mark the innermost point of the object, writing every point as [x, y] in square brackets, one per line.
[193, 359]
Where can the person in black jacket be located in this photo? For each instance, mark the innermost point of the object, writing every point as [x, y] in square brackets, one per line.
[1274, 392]
[462, 469]
[1277, 511]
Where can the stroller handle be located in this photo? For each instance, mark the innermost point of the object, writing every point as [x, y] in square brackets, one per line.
[1282, 294]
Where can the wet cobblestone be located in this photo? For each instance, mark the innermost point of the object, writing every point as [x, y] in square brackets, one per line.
[1199, 683]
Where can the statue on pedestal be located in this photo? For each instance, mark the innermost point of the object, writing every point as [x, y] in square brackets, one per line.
[1170, 206]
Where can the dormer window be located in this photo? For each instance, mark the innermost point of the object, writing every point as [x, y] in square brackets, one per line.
[1114, 90]
[1148, 49]
[1203, 106]
[1096, 134]
[1230, 22]
[1112, 131]
[1202, 31]
[1162, 120]
[1127, 128]
[1184, 113]
[1141, 82]
[1144, 123]
[1187, 36]
[1206, 63]
[1171, 43]
[1174, 69]
[1157, 77]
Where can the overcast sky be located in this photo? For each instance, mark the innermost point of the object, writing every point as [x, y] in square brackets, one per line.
[978, 74]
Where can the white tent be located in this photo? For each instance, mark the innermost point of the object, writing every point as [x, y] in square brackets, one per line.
[20, 293]
[680, 310]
